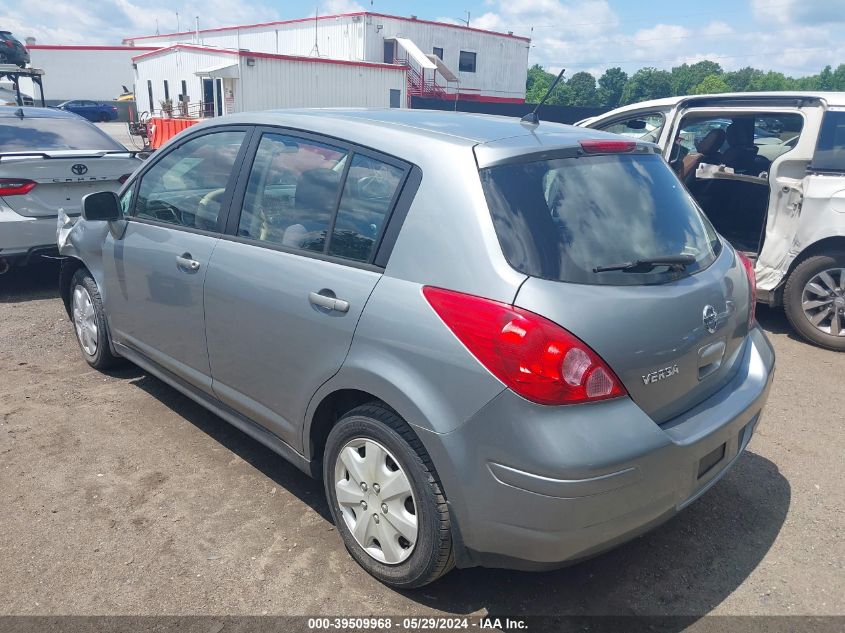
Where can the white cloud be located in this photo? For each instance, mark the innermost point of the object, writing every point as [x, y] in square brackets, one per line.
[799, 12]
[340, 6]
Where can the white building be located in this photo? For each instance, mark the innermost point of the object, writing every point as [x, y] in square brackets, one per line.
[354, 56]
[229, 80]
[97, 73]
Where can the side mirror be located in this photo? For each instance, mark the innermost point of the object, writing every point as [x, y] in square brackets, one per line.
[102, 205]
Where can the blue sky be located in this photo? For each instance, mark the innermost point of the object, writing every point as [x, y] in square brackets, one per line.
[793, 36]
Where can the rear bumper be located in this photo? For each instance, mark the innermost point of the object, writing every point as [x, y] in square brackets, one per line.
[534, 487]
[22, 237]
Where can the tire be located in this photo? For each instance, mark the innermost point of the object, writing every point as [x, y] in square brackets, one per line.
[431, 555]
[796, 293]
[86, 310]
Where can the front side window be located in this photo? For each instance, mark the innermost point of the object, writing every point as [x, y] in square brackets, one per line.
[368, 194]
[126, 200]
[566, 219]
[438, 52]
[186, 186]
[292, 192]
[830, 150]
[466, 62]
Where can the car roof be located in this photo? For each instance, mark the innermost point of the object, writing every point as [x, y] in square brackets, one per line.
[461, 128]
[832, 98]
[29, 112]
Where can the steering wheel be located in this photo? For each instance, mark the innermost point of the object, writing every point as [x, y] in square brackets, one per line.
[164, 212]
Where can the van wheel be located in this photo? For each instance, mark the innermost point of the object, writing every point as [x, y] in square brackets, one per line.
[89, 321]
[386, 498]
[814, 300]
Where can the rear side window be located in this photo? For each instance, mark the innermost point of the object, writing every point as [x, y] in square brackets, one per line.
[830, 149]
[292, 192]
[371, 185]
[53, 134]
[561, 219]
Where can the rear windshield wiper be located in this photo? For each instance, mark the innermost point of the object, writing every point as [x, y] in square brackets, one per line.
[674, 262]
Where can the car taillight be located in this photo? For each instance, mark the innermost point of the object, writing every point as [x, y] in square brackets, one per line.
[752, 285]
[602, 146]
[534, 357]
[16, 186]
[123, 178]
[10, 44]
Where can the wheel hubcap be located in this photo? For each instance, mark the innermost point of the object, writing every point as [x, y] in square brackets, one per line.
[84, 320]
[367, 475]
[823, 301]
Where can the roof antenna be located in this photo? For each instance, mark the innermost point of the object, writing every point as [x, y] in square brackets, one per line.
[531, 118]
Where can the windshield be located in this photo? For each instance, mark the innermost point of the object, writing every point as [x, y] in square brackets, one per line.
[562, 219]
[39, 135]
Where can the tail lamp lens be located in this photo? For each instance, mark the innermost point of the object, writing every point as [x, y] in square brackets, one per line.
[602, 146]
[536, 358]
[16, 186]
[752, 286]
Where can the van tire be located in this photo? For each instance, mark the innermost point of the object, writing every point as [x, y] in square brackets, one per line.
[793, 295]
[432, 554]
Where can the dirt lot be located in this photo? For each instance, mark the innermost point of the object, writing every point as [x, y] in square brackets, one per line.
[121, 496]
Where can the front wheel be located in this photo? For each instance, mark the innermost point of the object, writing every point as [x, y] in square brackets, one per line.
[89, 321]
[386, 498]
[814, 300]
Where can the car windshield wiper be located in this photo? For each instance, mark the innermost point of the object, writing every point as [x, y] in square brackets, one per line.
[675, 262]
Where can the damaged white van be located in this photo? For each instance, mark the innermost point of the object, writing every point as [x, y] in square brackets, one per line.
[768, 169]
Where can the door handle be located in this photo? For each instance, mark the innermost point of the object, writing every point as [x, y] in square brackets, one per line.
[328, 302]
[187, 263]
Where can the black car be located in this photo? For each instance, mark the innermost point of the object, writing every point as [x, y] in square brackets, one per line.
[12, 51]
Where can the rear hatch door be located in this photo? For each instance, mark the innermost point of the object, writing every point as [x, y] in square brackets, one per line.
[571, 219]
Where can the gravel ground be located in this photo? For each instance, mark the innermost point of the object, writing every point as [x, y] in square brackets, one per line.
[121, 496]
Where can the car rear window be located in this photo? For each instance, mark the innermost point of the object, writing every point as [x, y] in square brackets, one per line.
[37, 134]
[830, 149]
[561, 219]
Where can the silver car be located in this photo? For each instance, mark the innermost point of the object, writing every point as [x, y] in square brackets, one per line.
[50, 159]
[497, 344]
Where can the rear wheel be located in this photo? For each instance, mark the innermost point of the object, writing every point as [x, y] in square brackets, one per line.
[814, 300]
[386, 499]
[89, 321]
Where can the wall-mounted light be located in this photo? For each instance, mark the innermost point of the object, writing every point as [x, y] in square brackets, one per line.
[250, 61]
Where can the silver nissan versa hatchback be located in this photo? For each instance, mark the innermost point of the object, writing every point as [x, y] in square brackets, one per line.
[498, 344]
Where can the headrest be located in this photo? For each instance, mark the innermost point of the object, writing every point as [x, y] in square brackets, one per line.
[317, 188]
[711, 142]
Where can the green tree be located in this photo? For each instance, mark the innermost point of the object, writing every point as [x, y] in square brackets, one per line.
[839, 77]
[771, 81]
[686, 77]
[711, 84]
[826, 79]
[611, 85]
[741, 80]
[582, 90]
[538, 83]
[647, 83]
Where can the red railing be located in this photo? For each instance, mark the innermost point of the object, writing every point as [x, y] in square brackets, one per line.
[418, 85]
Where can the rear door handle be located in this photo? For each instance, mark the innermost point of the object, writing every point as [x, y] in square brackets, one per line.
[187, 263]
[328, 302]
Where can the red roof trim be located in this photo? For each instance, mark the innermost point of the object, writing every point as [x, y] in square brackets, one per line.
[292, 58]
[51, 47]
[330, 17]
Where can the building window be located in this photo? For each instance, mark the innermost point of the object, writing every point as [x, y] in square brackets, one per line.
[184, 95]
[150, 94]
[166, 90]
[438, 52]
[466, 62]
[395, 98]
